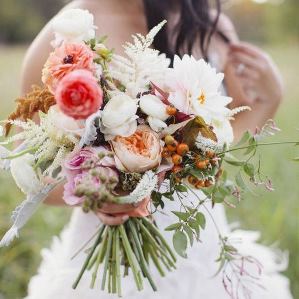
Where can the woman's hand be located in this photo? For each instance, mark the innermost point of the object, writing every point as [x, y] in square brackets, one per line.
[117, 214]
[258, 75]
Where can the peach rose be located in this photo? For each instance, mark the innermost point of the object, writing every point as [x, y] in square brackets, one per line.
[79, 95]
[139, 152]
[65, 59]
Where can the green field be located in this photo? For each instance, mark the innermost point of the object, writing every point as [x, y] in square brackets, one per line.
[275, 214]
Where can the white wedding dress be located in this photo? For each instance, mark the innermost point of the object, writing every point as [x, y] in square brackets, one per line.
[194, 277]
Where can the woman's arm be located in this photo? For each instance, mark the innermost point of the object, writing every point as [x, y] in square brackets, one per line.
[252, 79]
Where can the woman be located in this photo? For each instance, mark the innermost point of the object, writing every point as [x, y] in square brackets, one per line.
[251, 79]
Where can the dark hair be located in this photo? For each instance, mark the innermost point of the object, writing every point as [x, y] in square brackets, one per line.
[195, 24]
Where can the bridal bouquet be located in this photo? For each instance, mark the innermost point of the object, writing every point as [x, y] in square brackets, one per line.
[114, 129]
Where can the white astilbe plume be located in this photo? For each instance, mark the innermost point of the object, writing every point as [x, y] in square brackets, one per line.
[50, 142]
[144, 189]
[142, 64]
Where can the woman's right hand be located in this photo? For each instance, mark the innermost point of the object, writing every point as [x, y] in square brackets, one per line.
[116, 214]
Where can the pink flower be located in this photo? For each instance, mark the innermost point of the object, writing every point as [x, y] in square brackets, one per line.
[77, 175]
[78, 94]
[139, 152]
[65, 59]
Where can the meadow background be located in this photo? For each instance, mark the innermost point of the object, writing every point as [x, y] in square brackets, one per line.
[273, 25]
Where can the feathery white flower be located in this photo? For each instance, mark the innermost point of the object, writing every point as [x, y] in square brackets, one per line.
[144, 189]
[54, 132]
[142, 65]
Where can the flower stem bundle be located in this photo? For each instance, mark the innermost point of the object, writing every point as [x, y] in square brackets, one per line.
[134, 245]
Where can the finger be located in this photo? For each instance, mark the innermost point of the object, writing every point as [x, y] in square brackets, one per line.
[112, 220]
[247, 48]
[248, 61]
[246, 72]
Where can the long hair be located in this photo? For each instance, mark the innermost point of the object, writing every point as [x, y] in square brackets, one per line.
[195, 24]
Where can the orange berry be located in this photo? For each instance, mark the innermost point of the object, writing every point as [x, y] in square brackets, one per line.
[177, 159]
[177, 168]
[214, 161]
[192, 180]
[172, 147]
[182, 149]
[201, 164]
[170, 110]
[200, 184]
[177, 179]
[166, 153]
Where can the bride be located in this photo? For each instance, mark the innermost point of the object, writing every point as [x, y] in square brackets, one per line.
[251, 79]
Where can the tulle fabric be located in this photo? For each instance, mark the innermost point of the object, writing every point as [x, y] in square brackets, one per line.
[194, 277]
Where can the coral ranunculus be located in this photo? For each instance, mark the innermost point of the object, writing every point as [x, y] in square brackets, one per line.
[78, 94]
[65, 59]
[139, 152]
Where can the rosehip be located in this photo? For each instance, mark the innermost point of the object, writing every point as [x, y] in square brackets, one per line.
[170, 110]
[182, 149]
[177, 159]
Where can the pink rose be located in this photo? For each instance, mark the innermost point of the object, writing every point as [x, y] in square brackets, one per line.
[139, 152]
[76, 175]
[78, 94]
[64, 60]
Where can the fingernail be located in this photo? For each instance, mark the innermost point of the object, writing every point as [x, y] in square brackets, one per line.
[125, 218]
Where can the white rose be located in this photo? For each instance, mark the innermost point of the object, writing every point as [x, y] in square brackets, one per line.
[119, 117]
[156, 110]
[24, 175]
[73, 25]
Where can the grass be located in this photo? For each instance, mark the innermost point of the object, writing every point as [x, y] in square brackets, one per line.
[275, 214]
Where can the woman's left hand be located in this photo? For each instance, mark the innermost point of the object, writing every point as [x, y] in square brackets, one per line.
[258, 74]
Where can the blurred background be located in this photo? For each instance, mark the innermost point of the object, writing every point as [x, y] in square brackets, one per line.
[274, 26]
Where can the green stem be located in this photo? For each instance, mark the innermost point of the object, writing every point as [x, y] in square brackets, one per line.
[154, 257]
[113, 266]
[130, 256]
[26, 151]
[98, 240]
[107, 257]
[154, 243]
[142, 259]
[257, 145]
[117, 262]
[154, 229]
[98, 261]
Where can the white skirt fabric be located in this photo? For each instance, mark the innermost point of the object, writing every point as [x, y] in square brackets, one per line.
[194, 277]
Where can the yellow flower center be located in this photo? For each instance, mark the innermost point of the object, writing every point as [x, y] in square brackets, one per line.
[201, 98]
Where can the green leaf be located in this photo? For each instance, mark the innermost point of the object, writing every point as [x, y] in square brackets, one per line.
[181, 215]
[296, 159]
[168, 195]
[180, 243]
[249, 169]
[173, 226]
[251, 147]
[189, 232]
[244, 139]
[201, 219]
[240, 182]
[195, 226]
[181, 188]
